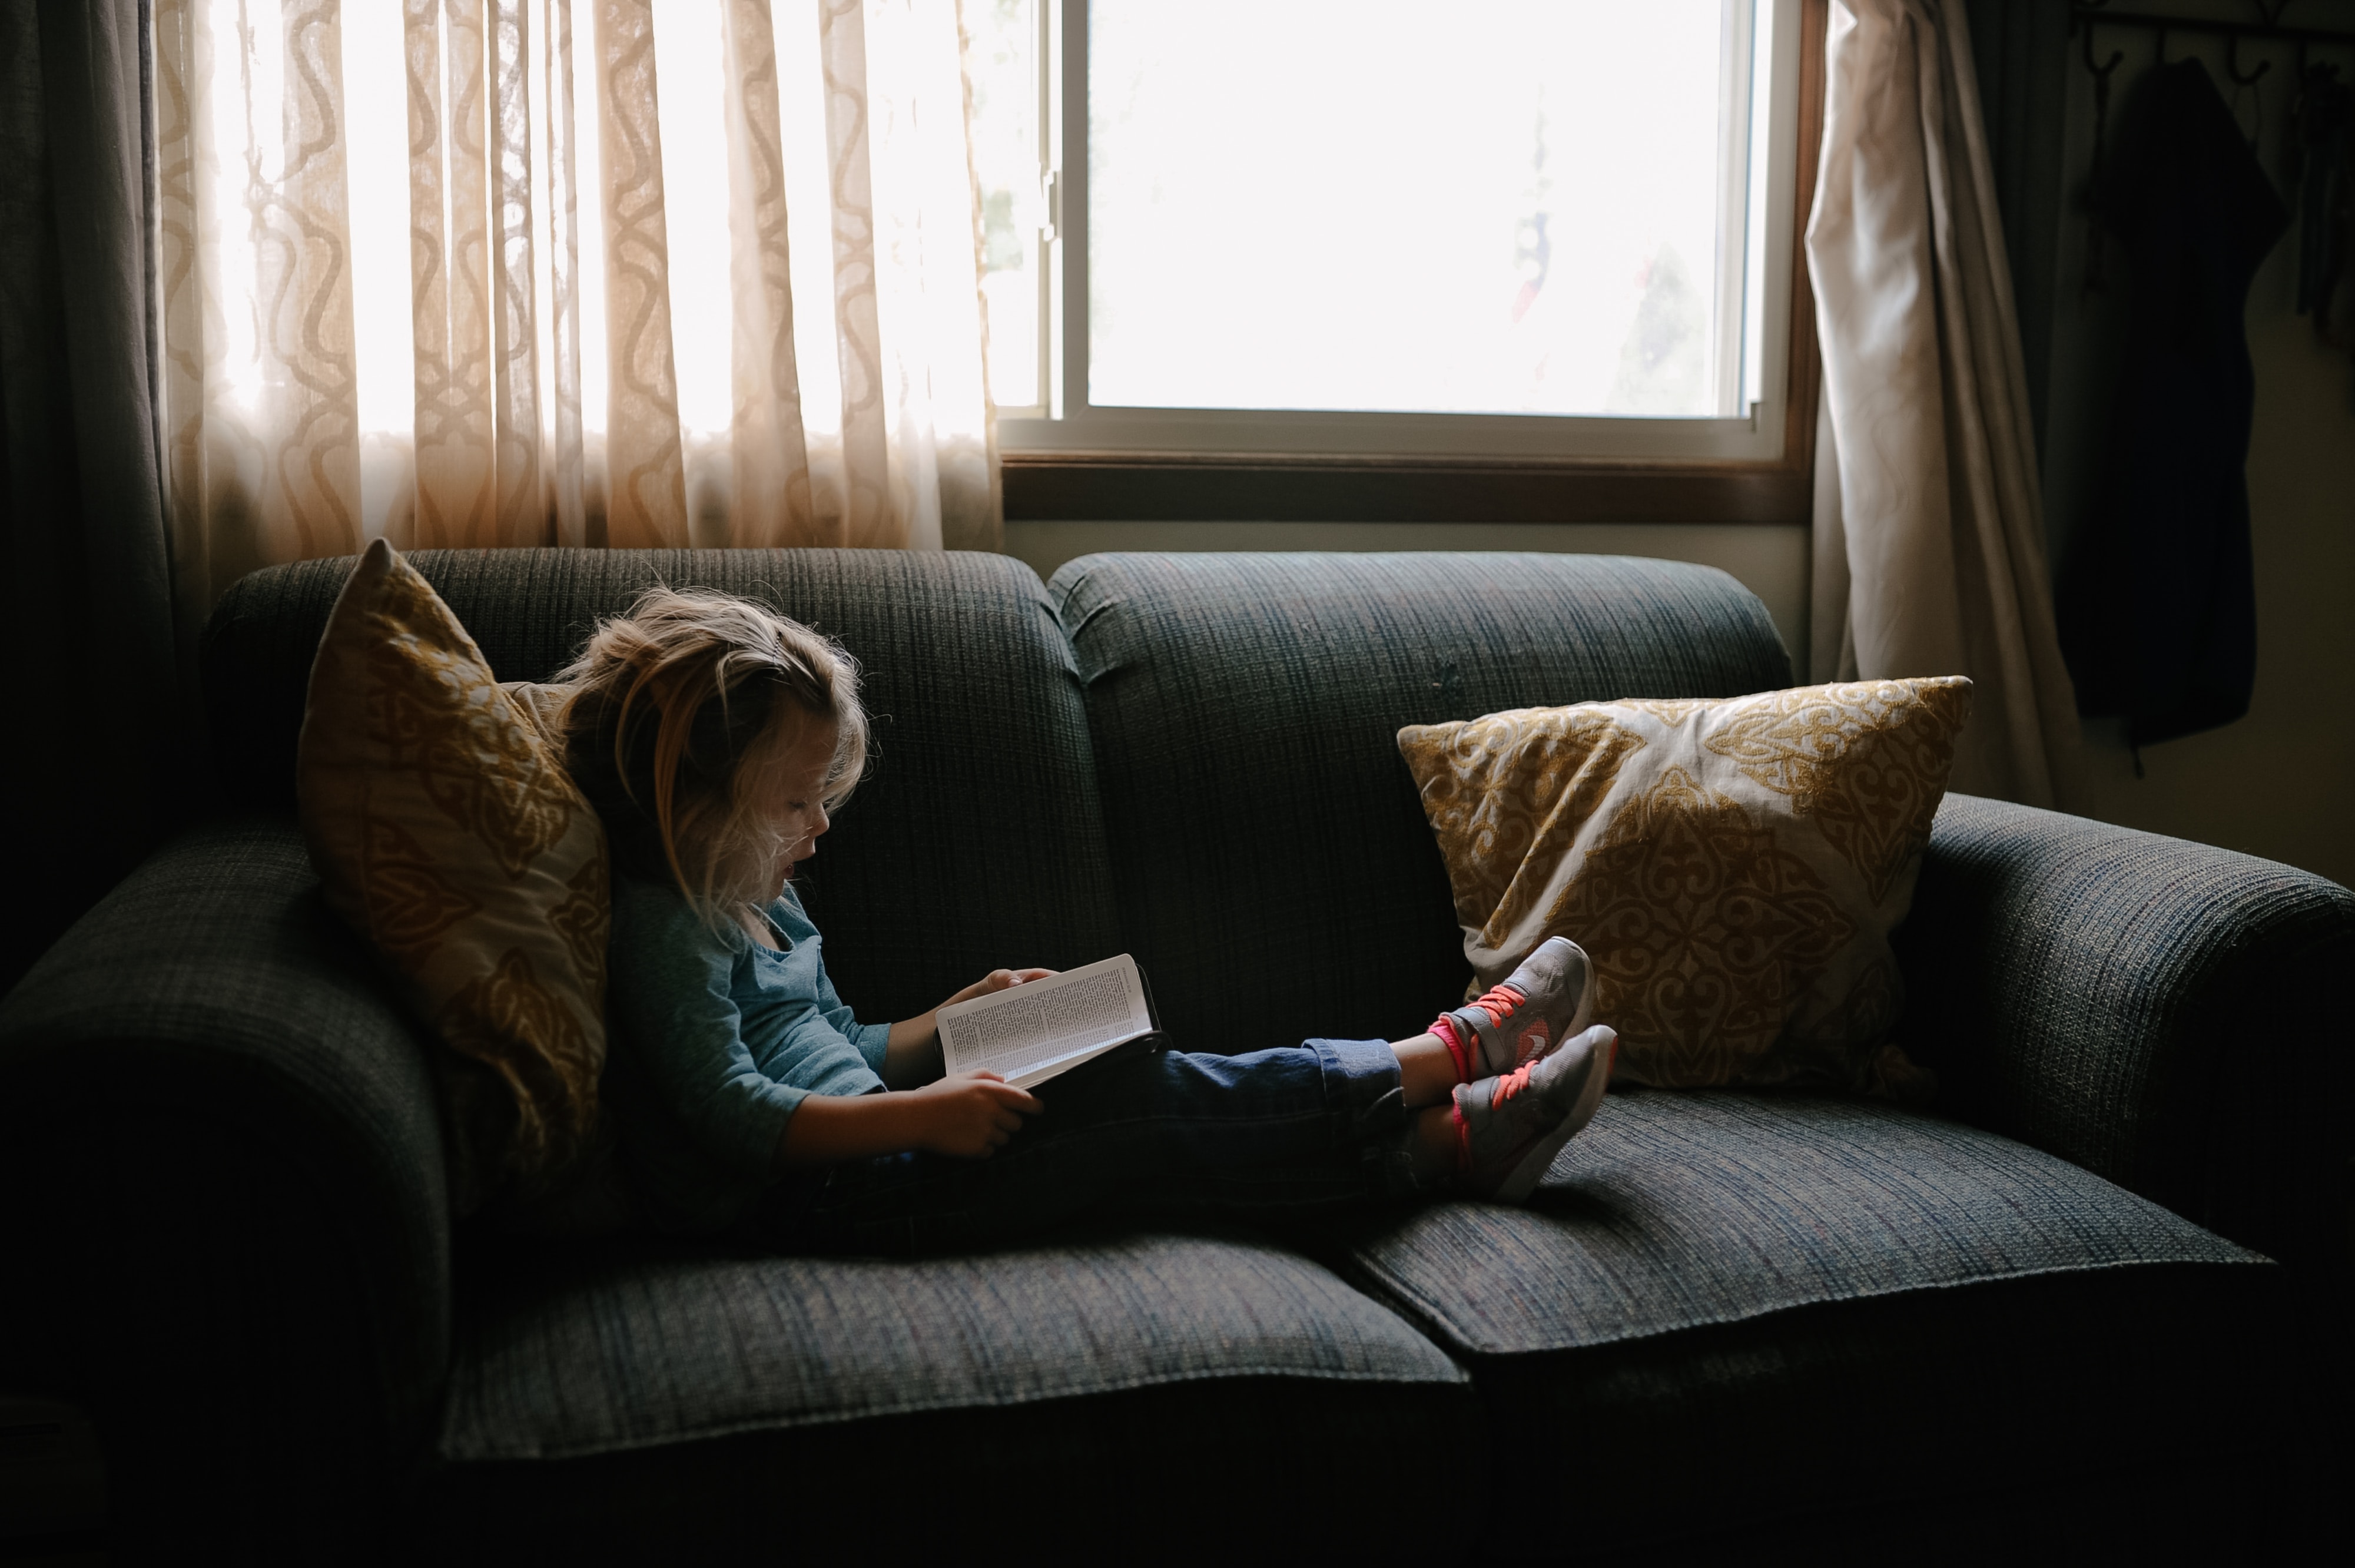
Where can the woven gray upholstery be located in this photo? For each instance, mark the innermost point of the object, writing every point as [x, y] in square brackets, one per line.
[975, 840]
[1276, 876]
[1254, 1470]
[1817, 1303]
[209, 1075]
[1674, 1211]
[654, 1405]
[2170, 1015]
[2108, 1415]
[590, 1356]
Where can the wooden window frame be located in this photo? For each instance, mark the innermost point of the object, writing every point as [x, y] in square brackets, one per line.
[1125, 486]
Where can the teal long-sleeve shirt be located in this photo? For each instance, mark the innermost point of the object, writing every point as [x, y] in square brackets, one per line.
[717, 1040]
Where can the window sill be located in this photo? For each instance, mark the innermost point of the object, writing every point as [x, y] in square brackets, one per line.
[1062, 486]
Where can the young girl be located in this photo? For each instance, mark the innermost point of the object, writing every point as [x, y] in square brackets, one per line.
[716, 739]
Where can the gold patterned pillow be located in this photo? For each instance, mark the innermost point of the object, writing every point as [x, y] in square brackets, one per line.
[446, 831]
[1734, 867]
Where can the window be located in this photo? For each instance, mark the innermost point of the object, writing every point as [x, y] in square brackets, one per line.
[1264, 232]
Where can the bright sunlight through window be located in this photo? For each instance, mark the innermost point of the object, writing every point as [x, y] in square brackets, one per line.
[1502, 208]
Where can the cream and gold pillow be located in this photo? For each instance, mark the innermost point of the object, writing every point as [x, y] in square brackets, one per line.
[1734, 867]
[441, 821]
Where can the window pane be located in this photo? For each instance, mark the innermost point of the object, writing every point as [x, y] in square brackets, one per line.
[687, 54]
[1508, 207]
[1001, 62]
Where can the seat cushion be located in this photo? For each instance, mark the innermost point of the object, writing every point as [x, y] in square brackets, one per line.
[592, 1389]
[1808, 1300]
[975, 840]
[1276, 876]
[632, 1349]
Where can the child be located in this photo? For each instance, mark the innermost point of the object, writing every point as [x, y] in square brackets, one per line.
[715, 739]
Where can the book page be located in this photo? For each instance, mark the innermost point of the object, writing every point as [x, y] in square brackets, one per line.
[1030, 1032]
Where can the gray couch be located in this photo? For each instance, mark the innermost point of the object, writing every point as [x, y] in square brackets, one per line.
[2092, 1303]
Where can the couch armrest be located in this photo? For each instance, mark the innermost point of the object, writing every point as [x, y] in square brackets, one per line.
[221, 1169]
[2167, 1015]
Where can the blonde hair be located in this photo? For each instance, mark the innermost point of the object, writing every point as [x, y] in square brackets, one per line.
[674, 707]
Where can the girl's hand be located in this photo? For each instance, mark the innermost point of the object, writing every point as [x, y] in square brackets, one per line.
[997, 980]
[970, 1115]
[912, 1055]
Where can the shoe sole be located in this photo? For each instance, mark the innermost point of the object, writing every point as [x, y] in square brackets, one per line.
[1531, 1167]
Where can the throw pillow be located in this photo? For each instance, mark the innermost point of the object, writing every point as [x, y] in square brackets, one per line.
[1734, 867]
[447, 833]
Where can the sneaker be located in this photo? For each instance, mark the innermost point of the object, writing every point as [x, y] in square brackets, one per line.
[1513, 1124]
[1545, 1002]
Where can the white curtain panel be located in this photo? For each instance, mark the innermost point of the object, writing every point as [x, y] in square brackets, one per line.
[627, 272]
[1929, 537]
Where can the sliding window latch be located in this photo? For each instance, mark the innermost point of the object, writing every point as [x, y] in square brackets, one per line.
[1051, 192]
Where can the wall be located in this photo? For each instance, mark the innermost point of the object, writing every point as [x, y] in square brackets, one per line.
[2281, 781]
[1772, 563]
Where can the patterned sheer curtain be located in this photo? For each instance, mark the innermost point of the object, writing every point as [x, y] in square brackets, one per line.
[626, 272]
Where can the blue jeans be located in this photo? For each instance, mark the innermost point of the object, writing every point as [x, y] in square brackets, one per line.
[1274, 1135]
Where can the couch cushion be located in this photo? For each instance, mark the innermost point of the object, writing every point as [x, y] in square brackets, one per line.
[1674, 1211]
[975, 839]
[1811, 1300]
[1275, 873]
[628, 1351]
[1073, 1375]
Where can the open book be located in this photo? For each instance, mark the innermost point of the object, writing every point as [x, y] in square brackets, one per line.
[1029, 1034]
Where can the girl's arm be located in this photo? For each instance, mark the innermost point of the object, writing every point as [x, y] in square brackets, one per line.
[913, 1055]
[968, 1115]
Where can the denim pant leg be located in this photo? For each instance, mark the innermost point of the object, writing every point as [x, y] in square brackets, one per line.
[1271, 1134]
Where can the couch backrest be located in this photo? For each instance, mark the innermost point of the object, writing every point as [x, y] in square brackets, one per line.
[976, 840]
[1275, 873]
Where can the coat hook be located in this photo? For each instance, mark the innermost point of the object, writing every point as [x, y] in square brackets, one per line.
[2251, 81]
[2233, 64]
[2101, 72]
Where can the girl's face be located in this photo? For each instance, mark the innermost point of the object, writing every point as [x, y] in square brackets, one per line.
[791, 790]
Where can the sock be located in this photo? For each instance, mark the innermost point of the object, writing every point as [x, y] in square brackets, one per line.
[1445, 1028]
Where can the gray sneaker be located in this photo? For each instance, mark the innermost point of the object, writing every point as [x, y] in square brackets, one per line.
[1545, 1002]
[1513, 1124]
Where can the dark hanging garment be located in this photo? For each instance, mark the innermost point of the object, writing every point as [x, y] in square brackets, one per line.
[2156, 598]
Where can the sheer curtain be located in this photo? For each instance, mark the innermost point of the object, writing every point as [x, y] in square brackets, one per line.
[627, 272]
[1929, 532]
